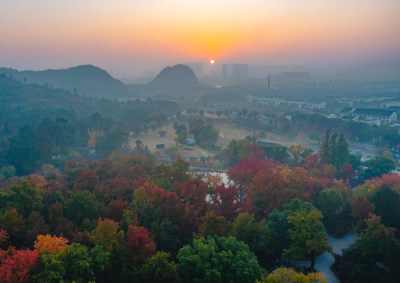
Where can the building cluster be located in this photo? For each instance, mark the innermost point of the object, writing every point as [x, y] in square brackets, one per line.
[225, 70]
[235, 70]
[275, 102]
[391, 105]
[375, 116]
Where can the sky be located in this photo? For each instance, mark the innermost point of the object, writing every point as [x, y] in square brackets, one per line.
[133, 35]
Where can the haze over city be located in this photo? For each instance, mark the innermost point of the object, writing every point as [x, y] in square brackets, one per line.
[137, 35]
[243, 141]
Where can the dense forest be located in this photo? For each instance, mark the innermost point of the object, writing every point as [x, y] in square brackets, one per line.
[40, 125]
[79, 204]
[136, 220]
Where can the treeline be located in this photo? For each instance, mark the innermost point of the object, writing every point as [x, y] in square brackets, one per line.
[313, 124]
[333, 154]
[381, 136]
[135, 220]
[54, 142]
[28, 104]
[35, 131]
[203, 132]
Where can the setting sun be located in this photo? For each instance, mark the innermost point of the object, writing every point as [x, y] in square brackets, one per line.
[212, 61]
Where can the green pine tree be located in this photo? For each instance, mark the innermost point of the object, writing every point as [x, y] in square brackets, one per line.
[342, 152]
[324, 150]
[333, 149]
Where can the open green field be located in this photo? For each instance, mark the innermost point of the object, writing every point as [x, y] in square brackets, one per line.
[151, 138]
[227, 133]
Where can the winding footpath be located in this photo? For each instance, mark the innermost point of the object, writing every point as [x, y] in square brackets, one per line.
[195, 148]
[325, 260]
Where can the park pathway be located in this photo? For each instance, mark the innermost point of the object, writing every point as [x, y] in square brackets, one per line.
[325, 260]
[194, 147]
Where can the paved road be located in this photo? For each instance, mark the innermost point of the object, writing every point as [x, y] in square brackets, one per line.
[339, 244]
[203, 152]
[196, 148]
[367, 150]
[325, 260]
[323, 264]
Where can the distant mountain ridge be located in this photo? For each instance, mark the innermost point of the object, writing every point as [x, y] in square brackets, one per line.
[24, 104]
[84, 79]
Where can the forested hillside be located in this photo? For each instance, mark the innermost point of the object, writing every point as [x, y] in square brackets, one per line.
[39, 124]
[85, 79]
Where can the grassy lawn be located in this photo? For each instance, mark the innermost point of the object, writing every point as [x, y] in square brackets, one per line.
[151, 138]
[227, 133]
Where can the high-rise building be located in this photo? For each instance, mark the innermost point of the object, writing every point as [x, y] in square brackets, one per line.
[224, 70]
[240, 70]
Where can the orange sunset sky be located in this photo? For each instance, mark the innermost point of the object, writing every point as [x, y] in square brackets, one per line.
[138, 34]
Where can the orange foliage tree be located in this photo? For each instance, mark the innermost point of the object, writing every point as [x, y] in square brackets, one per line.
[48, 243]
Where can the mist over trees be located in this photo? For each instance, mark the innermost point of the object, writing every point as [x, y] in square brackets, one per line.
[86, 196]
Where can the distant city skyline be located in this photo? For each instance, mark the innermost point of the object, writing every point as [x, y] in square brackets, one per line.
[132, 36]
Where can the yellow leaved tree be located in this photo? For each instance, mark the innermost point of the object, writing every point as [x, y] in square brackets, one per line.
[288, 275]
[53, 244]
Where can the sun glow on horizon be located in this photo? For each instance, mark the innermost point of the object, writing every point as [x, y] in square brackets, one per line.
[130, 33]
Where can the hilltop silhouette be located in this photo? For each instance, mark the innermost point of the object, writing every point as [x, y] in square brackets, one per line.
[175, 77]
[84, 79]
